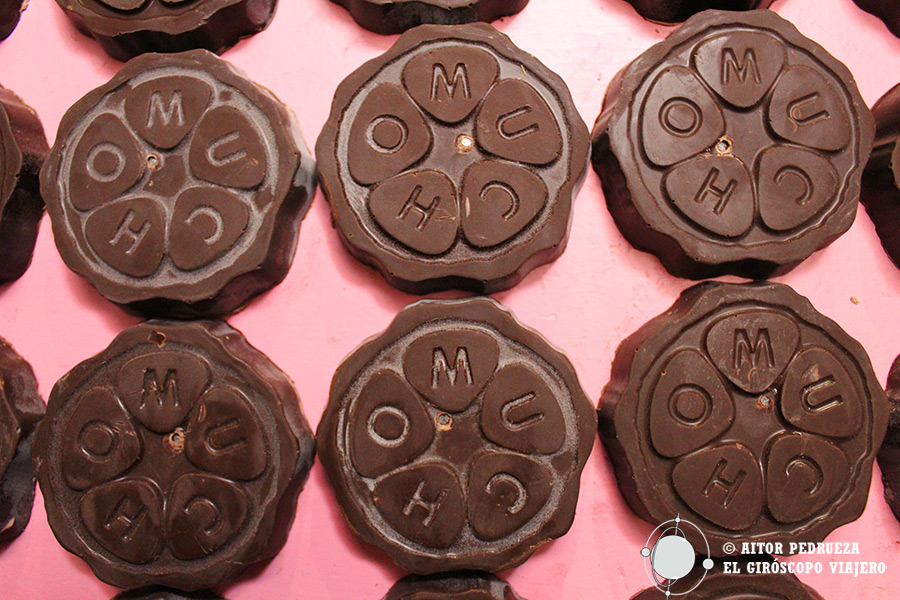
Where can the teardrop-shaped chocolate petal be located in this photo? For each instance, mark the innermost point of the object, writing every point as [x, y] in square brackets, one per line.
[680, 117]
[516, 123]
[740, 66]
[224, 436]
[806, 108]
[388, 135]
[499, 200]
[129, 235]
[206, 224]
[418, 209]
[202, 514]
[107, 161]
[803, 475]
[715, 192]
[505, 492]
[163, 110]
[723, 484]
[794, 186]
[99, 441]
[449, 82]
[689, 406]
[820, 395]
[228, 150]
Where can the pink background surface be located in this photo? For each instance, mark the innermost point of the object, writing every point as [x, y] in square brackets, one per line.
[586, 302]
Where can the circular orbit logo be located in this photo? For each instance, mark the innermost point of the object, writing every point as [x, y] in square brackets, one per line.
[671, 556]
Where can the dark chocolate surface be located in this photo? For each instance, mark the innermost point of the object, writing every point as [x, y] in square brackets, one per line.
[676, 11]
[456, 438]
[464, 585]
[160, 593]
[889, 455]
[744, 411]
[396, 16]
[178, 187]
[21, 409]
[174, 457]
[881, 179]
[23, 149]
[452, 161]
[736, 146]
[126, 28]
[722, 586]
[886, 10]
[10, 12]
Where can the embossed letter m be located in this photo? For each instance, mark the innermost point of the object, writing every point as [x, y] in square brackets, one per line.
[166, 114]
[757, 350]
[741, 69]
[161, 392]
[440, 365]
[460, 78]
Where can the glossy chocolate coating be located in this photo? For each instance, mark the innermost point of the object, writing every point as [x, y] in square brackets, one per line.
[889, 455]
[126, 28]
[723, 586]
[465, 585]
[747, 413]
[396, 16]
[23, 149]
[174, 457]
[881, 178]
[456, 438]
[677, 11]
[21, 409]
[10, 12]
[178, 187]
[452, 160]
[736, 146]
[886, 10]
[160, 593]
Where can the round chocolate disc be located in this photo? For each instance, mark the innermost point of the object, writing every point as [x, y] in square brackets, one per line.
[746, 412]
[178, 187]
[734, 146]
[161, 593]
[452, 161]
[396, 16]
[886, 10]
[676, 11]
[126, 28]
[21, 409]
[174, 457]
[456, 438]
[23, 148]
[452, 586]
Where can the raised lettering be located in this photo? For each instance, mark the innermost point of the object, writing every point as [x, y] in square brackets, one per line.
[165, 114]
[741, 69]
[505, 130]
[425, 211]
[125, 230]
[460, 79]
[429, 506]
[802, 114]
[721, 195]
[730, 486]
[440, 365]
[756, 351]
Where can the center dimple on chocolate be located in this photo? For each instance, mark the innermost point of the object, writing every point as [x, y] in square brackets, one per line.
[458, 437]
[168, 175]
[464, 143]
[174, 442]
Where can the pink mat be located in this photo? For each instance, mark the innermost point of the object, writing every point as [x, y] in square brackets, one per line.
[586, 302]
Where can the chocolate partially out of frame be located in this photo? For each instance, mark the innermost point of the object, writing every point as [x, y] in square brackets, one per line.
[10, 12]
[744, 411]
[174, 457]
[23, 149]
[886, 10]
[678, 11]
[889, 455]
[718, 585]
[452, 161]
[463, 585]
[456, 438]
[396, 16]
[21, 409]
[127, 28]
[735, 146]
[161, 593]
[177, 189]
[881, 179]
